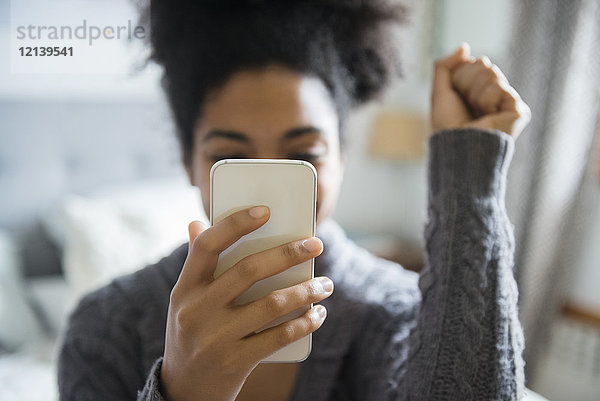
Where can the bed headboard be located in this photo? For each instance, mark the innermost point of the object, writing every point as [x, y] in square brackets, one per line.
[51, 149]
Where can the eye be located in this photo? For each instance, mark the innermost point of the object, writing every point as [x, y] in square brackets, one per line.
[310, 156]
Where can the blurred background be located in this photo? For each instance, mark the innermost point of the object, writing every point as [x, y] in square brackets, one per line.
[91, 185]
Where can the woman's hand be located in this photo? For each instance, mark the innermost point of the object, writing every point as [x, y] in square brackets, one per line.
[211, 346]
[469, 92]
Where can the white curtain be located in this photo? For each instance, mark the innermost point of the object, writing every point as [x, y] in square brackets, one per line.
[555, 65]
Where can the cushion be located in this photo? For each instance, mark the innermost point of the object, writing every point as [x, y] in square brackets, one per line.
[119, 230]
[19, 323]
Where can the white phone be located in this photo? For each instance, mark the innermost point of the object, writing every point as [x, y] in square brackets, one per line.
[289, 189]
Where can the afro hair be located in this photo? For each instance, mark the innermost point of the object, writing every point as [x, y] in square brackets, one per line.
[348, 44]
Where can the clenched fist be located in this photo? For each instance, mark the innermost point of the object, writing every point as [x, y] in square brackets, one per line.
[474, 93]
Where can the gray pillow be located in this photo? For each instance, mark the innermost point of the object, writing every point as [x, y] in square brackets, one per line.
[19, 323]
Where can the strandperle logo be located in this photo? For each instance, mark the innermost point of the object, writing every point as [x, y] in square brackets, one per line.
[77, 36]
[85, 32]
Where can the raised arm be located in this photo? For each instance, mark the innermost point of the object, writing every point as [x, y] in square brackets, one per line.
[467, 342]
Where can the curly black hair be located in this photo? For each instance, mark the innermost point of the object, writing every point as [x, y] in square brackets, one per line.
[348, 44]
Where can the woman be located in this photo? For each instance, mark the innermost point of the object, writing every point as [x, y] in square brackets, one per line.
[268, 79]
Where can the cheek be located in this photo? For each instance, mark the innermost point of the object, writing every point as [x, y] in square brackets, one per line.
[201, 180]
[328, 186]
[321, 195]
[205, 193]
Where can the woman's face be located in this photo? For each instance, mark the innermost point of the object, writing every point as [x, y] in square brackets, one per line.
[271, 113]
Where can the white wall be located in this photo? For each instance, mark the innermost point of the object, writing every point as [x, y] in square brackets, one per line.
[486, 25]
[132, 84]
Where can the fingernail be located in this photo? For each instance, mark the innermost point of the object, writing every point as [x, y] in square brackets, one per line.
[318, 313]
[258, 211]
[326, 283]
[312, 244]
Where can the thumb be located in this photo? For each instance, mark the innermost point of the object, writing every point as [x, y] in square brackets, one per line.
[195, 228]
[506, 121]
[442, 78]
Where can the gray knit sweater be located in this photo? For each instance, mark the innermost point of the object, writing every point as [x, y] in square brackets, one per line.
[450, 334]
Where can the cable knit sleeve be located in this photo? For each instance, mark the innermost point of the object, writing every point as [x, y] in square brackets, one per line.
[100, 354]
[467, 342]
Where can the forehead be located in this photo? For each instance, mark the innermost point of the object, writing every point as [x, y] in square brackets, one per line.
[268, 102]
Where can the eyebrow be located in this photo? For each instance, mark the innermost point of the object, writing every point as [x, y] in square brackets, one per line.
[241, 137]
[300, 131]
[227, 134]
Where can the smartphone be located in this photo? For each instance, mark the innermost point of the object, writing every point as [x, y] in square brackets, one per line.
[289, 189]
